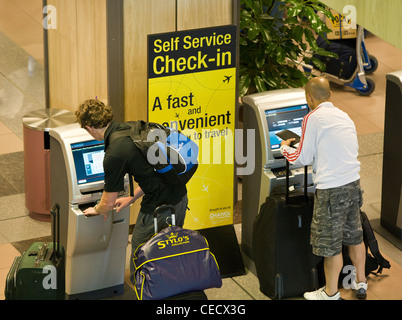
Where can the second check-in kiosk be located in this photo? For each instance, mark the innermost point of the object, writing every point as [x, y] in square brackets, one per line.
[391, 192]
[269, 113]
[95, 249]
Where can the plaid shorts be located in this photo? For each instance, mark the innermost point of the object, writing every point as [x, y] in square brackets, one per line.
[336, 219]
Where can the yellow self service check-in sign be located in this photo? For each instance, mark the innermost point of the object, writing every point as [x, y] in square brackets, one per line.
[192, 88]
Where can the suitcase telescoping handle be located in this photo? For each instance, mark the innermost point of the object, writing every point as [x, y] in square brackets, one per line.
[55, 211]
[287, 182]
[162, 208]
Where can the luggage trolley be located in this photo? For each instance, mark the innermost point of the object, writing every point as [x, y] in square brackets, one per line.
[365, 64]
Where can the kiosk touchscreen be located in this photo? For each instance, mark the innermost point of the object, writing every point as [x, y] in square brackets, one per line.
[95, 249]
[280, 119]
[269, 113]
[88, 161]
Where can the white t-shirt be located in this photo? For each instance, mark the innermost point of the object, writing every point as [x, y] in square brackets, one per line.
[328, 142]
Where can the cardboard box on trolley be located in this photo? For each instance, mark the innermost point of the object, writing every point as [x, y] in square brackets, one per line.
[343, 27]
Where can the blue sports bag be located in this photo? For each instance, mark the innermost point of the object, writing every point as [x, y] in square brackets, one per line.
[173, 262]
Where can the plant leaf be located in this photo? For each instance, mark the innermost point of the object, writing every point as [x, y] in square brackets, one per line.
[310, 39]
[253, 30]
[280, 55]
[244, 84]
[318, 63]
[294, 11]
[297, 33]
[260, 84]
[325, 53]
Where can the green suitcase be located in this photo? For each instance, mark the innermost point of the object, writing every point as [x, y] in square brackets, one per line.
[10, 292]
[39, 274]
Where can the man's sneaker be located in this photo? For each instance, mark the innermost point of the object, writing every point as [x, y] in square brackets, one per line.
[320, 294]
[360, 289]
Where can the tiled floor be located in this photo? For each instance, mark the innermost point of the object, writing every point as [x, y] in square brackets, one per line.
[22, 90]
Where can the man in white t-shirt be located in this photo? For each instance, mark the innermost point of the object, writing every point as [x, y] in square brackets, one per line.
[329, 143]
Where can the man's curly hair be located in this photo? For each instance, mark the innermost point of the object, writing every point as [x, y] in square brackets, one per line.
[94, 113]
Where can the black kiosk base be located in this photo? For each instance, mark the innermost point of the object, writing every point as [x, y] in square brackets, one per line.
[224, 245]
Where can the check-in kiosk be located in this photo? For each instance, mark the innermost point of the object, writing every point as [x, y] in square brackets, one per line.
[391, 198]
[269, 113]
[95, 249]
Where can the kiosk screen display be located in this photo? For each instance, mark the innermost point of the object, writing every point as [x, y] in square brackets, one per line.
[88, 159]
[289, 118]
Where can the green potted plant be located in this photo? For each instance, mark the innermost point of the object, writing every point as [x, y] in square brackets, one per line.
[275, 36]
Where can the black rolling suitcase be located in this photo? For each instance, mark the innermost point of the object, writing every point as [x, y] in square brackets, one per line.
[285, 264]
[38, 274]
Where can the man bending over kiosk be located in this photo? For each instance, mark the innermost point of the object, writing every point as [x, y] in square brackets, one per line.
[121, 157]
[329, 142]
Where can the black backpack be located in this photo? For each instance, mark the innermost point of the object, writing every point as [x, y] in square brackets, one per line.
[374, 259]
[172, 154]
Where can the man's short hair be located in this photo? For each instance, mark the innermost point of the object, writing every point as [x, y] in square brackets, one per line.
[94, 113]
